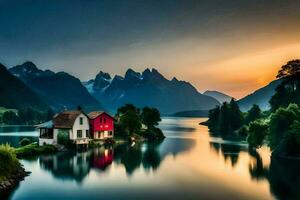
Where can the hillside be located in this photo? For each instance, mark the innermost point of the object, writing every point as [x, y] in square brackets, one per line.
[221, 97]
[60, 90]
[15, 94]
[260, 97]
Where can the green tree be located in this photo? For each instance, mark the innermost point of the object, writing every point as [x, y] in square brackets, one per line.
[253, 114]
[213, 118]
[292, 139]
[280, 122]
[290, 72]
[235, 115]
[10, 117]
[127, 107]
[150, 117]
[224, 121]
[131, 122]
[288, 91]
[257, 132]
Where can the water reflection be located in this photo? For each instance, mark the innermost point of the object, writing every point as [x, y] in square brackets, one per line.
[189, 164]
[284, 178]
[228, 151]
[76, 166]
[67, 165]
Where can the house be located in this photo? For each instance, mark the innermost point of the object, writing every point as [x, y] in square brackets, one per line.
[101, 125]
[73, 124]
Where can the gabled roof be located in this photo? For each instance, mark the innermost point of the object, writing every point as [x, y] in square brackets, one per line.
[95, 114]
[66, 119]
[48, 125]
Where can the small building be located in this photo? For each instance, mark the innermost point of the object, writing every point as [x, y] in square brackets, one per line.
[101, 125]
[74, 124]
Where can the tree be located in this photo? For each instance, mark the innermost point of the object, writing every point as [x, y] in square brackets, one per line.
[128, 107]
[236, 116]
[281, 98]
[150, 117]
[257, 132]
[224, 121]
[290, 72]
[10, 117]
[280, 122]
[131, 122]
[292, 139]
[253, 114]
[213, 118]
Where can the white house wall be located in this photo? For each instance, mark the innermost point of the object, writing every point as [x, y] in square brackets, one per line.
[77, 126]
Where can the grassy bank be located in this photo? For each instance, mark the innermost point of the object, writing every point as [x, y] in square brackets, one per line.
[34, 150]
[9, 163]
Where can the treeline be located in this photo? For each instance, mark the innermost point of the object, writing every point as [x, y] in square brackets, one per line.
[133, 122]
[25, 116]
[279, 127]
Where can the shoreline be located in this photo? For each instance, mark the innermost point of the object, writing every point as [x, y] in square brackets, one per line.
[13, 180]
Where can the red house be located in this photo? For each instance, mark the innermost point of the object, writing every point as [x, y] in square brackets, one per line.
[101, 125]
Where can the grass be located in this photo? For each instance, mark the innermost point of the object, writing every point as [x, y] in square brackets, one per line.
[34, 149]
[8, 161]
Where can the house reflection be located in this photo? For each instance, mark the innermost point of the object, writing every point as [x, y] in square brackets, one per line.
[67, 165]
[102, 158]
[76, 166]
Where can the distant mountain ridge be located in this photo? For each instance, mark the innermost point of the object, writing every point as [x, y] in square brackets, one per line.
[149, 88]
[260, 97]
[221, 97]
[60, 90]
[17, 95]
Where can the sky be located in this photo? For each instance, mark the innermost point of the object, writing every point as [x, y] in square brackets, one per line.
[231, 46]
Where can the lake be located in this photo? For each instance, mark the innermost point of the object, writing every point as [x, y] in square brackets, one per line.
[188, 164]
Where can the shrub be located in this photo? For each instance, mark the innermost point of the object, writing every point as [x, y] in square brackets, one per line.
[243, 131]
[292, 139]
[8, 161]
[154, 134]
[280, 122]
[24, 142]
[257, 132]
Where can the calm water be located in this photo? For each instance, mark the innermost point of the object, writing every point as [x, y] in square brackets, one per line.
[188, 164]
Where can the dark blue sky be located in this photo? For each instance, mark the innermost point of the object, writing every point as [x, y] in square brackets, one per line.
[83, 37]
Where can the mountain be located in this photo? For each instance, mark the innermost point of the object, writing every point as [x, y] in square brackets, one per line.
[221, 97]
[260, 97]
[149, 88]
[60, 90]
[15, 94]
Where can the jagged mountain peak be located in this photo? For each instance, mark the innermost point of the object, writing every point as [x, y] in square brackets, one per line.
[28, 70]
[130, 73]
[104, 75]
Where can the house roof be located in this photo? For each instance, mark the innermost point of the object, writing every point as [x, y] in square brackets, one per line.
[66, 119]
[48, 124]
[95, 114]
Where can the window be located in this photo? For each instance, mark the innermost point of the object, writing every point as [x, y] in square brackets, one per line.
[104, 120]
[87, 133]
[81, 120]
[79, 133]
[110, 133]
